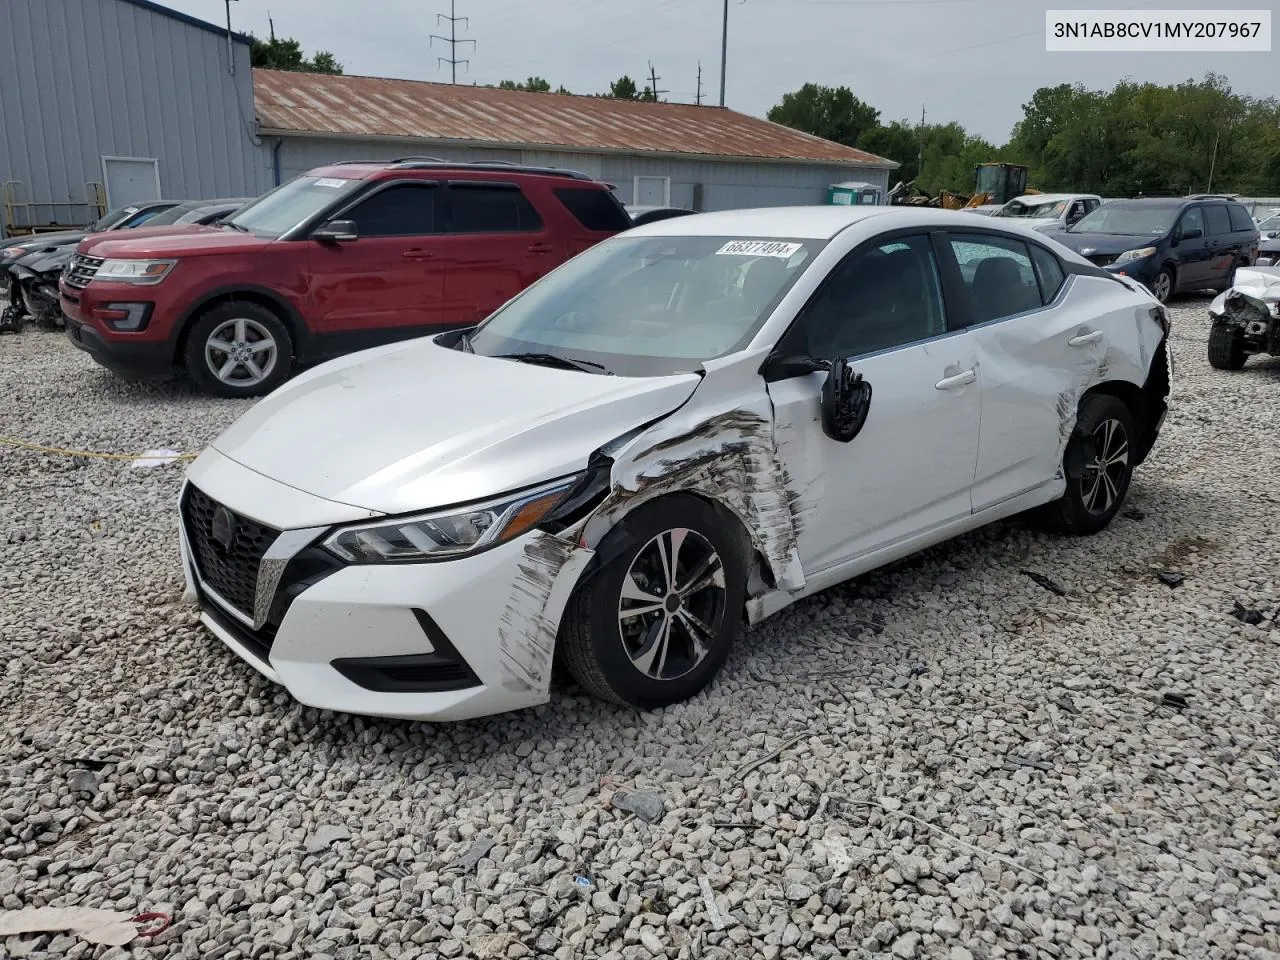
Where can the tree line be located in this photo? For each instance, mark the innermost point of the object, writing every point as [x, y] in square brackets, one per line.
[1135, 139]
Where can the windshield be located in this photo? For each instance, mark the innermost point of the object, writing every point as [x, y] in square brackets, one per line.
[1270, 223]
[170, 216]
[112, 218]
[650, 306]
[1128, 220]
[1016, 208]
[290, 204]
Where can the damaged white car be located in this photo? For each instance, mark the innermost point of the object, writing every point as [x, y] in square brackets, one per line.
[1245, 319]
[684, 429]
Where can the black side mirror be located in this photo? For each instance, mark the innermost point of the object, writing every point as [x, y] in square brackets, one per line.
[1190, 233]
[846, 400]
[336, 231]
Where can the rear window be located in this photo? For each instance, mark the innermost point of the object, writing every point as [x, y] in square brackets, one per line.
[594, 209]
[1215, 216]
[1241, 222]
[491, 208]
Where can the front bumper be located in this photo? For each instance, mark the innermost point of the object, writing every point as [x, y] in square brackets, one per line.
[132, 354]
[432, 641]
[1143, 270]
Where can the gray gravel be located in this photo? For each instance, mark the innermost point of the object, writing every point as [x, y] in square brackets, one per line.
[944, 759]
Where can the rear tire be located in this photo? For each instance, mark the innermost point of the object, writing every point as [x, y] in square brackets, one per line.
[1105, 441]
[1226, 346]
[621, 639]
[238, 349]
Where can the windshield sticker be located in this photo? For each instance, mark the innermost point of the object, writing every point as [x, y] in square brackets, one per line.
[331, 182]
[758, 248]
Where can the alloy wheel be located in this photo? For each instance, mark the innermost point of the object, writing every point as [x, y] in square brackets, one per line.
[672, 604]
[241, 352]
[1104, 475]
[1163, 286]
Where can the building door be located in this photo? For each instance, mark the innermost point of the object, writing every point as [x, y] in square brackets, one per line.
[652, 192]
[130, 180]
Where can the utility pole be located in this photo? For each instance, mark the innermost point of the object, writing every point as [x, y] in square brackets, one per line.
[724, 49]
[653, 82]
[699, 83]
[1213, 161]
[452, 40]
[920, 137]
[231, 50]
[271, 24]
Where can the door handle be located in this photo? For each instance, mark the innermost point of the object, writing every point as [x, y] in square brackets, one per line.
[962, 379]
[540, 248]
[417, 254]
[1086, 338]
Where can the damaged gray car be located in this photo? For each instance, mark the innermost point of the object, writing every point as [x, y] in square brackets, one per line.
[1245, 319]
[682, 430]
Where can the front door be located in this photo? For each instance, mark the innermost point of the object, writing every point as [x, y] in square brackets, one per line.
[1193, 253]
[498, 245]
[388, 283]
[1031, 353]
[910, 469]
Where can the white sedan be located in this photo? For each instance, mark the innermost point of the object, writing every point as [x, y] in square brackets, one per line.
[685, 428]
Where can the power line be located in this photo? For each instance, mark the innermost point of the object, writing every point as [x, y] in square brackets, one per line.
[452, 40]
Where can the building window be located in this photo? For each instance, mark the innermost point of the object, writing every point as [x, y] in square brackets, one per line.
[652, 192]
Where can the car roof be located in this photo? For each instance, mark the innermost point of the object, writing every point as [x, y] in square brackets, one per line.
[1031, 199]
[816, 222]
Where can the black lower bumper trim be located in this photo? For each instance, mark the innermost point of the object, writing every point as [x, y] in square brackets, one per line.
[255, 645]
[440, 671]
[142, 359]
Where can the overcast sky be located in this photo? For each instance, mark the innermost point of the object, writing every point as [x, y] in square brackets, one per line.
[974, 61]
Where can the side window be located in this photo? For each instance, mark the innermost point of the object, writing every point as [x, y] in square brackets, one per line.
[1092, 205]
[998, 276]
[1215, 215]
[1048, 272]
[594, 208]
[1241, 222]
[404, 210]
[879, 297]
[1193, 219]
[491, 208]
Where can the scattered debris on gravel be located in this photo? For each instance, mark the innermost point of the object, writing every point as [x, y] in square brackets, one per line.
[946, 759]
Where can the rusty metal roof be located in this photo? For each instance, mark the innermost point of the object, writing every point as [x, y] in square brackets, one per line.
[346, 106]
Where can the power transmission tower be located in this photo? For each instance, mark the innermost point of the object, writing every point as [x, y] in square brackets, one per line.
[699, 83]
[653, 82]
[452, 40]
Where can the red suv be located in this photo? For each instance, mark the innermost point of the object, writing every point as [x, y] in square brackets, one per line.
[346, 257]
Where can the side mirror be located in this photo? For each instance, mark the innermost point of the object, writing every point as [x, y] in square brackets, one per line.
[846, 400]
[1190, 233]
[790, 367]
[336, 231]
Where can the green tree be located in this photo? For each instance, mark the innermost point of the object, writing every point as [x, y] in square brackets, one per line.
[898, 141]
[833, 113]
[281, 53]
[624, 88]
[532, 85]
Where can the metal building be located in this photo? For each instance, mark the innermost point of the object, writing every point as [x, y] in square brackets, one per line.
[704, 158]
[106, 102]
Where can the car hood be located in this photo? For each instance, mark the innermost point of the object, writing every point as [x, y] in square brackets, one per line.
[1105, 243]
[162, 242]
[32, 244]
[415, 426]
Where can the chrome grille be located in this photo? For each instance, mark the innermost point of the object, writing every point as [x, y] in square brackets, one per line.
[81, 270]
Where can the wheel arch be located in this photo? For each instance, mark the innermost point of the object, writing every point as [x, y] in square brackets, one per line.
[279, 305]
[1148, 403]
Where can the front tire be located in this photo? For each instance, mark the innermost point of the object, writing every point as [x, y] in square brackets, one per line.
[656, 622]
[1104, 443]
[1226, 346]
[1163, 285]
[239, 349]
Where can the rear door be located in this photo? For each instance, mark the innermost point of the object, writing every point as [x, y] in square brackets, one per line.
[1192, 252]
[1225, 245]
[1246, 234]
[498, 245]
[388, 283]
[1031, 351]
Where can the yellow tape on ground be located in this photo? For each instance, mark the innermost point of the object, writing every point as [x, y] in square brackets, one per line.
[40, 448]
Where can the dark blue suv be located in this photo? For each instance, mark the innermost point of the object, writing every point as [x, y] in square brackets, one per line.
[1171, 245]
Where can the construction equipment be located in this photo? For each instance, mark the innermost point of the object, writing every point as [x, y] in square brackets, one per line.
[993, 182]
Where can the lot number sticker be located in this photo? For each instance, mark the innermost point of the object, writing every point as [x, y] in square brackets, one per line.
[758, 248]
[331, 182]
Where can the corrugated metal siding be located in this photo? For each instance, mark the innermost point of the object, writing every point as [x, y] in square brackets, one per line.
[727, 185]
[83, 79]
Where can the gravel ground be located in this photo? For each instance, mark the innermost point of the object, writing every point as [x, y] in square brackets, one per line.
[945, 759]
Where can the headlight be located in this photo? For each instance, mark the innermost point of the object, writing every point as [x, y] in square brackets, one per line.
[135, 271]
[439, 536]
[10, 253]
[1135, 254]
